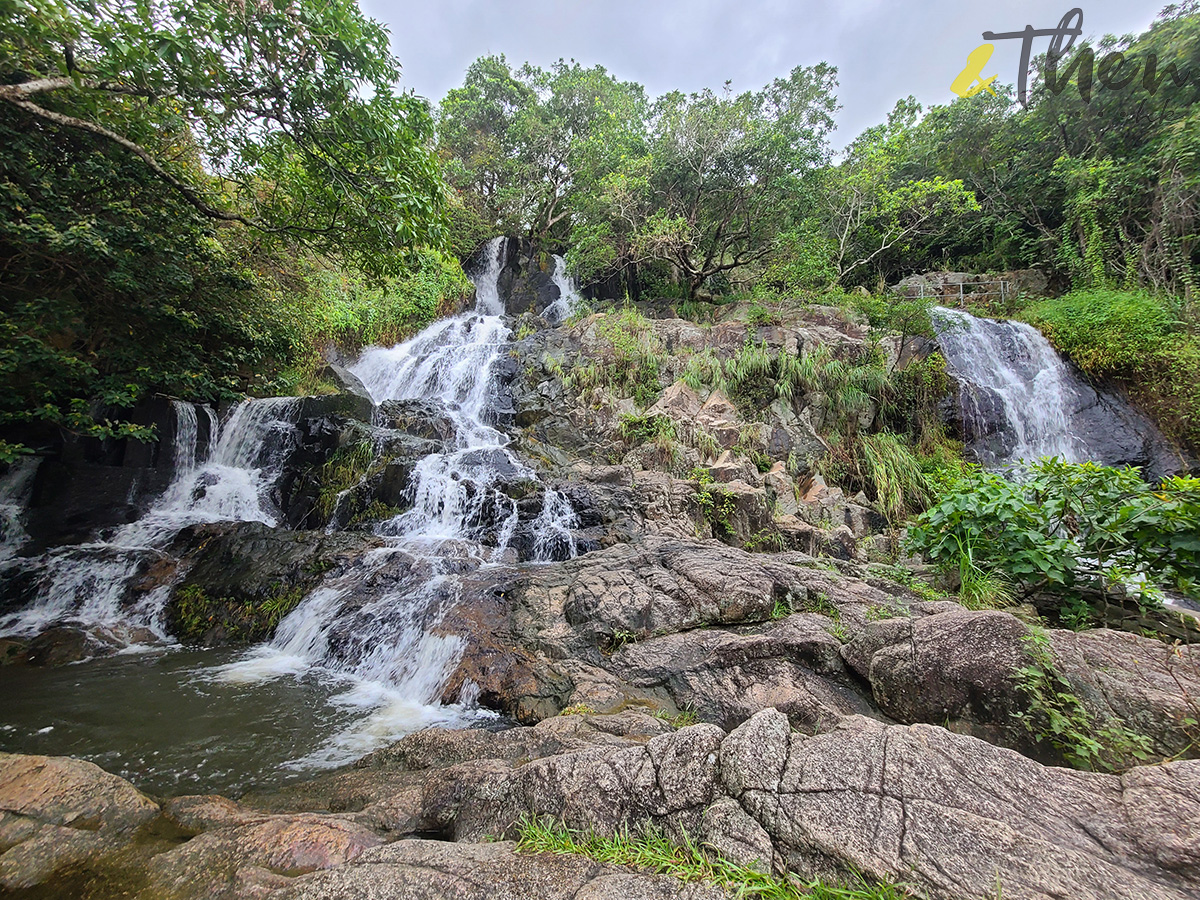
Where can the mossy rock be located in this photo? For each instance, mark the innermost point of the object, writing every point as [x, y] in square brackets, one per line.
[246, 577]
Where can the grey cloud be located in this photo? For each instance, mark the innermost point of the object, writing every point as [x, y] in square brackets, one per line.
[883, 51]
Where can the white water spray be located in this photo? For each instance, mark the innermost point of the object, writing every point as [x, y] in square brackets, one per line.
[1008, 372]
[376, 626]
[568, 294]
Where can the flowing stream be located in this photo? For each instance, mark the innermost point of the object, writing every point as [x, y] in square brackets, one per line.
[363, 647]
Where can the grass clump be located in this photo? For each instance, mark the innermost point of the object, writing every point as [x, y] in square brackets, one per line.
[344, 469]
[631, 360]
[653, 851]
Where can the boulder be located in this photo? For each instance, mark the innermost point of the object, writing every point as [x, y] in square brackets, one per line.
[957, 668]
[344, 380]
[966, 665]
[245, 576]
[727, 675]
[960, 818]
[57, 812]
[257, 857]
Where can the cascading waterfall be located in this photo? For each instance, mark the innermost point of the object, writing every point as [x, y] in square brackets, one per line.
[15, 488]
[1016, 395]
[375, 626]
[89, 585]
[369, 633]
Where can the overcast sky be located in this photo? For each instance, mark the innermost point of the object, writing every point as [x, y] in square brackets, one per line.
[883, 51]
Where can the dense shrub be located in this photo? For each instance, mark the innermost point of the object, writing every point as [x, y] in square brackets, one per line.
[1071, 529]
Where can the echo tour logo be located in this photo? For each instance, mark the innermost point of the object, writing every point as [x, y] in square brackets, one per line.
[1115, 72]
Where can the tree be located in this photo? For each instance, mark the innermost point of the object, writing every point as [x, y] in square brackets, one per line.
[526, 148]
[871, 209]
[289, 102]
[722, 175]
[148, 152]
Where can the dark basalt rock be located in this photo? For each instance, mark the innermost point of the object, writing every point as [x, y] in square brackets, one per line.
[245, 576]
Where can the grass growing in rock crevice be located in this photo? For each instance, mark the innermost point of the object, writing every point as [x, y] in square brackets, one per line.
[653, 851]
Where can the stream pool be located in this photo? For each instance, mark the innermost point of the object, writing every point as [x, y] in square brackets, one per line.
[164, 721]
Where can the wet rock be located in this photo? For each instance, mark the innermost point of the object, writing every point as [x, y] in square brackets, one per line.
[62, 644]
[57, 812]
[244, 577]
[430, 870]
[12, 651]
[358, 407]
[419, 418]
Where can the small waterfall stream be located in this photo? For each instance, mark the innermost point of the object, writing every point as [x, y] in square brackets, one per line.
[1019, 400]
[1015, 395]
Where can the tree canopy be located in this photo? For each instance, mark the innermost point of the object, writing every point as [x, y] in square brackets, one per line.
[291, 105]
[155, 156]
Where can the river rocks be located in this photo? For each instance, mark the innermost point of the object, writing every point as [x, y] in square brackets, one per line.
[967, 665]
[539, 638]
[431, 870]
[56, 812]
[727, 675]
[257, 857]
[952, 816]
[965, 662]
[344, 380]
[62, 644]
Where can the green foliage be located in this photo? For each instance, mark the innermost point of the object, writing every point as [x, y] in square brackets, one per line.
[1069, 529]
[195, 617]
[629, 360]
[1105, 332]
[719, 176]
[651, 850]
[1054, 715]
[765, 541]
[159, 161]
[345, 468]
[716, 505]
[292, 107]
[321, 305]
[682, 719]
[640, 429]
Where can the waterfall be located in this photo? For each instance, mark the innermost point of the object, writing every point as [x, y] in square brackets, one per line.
[1018, 400]
[1015, 393]
[89, 585]
[15, 488]
[568, 293]
[376, 625]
